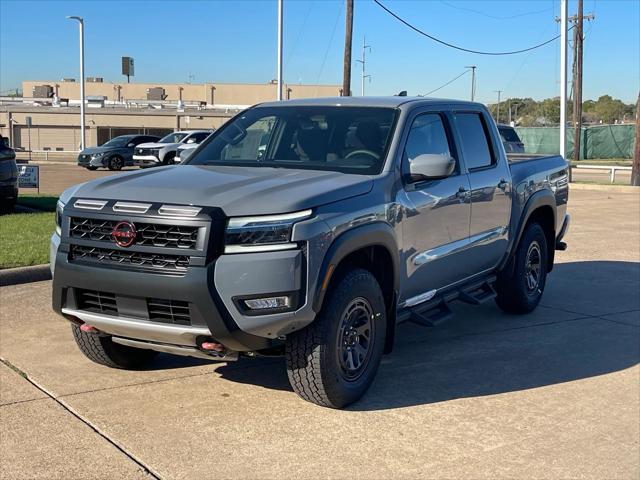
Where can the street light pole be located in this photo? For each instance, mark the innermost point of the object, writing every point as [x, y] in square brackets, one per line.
[82, 97]
[563, 77]
[498, 111]
[280, 7]
[473, 80]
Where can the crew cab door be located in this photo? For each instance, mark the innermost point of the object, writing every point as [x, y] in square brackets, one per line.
[436, 218]
[490, 180]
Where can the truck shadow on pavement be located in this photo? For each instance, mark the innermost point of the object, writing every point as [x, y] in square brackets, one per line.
[588, 324]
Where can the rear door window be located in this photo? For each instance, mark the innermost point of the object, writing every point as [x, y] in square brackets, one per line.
[474, 140]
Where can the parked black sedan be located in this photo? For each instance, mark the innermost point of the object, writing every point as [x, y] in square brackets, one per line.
[8, 177]
[114, 154]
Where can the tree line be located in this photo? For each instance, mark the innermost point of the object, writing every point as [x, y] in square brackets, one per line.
[527, 112]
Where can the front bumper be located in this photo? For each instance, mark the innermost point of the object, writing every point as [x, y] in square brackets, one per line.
[145, 160]
[213, 293]
[88, 161]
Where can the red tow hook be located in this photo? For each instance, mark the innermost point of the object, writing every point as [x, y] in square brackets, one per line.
[86, 328]
[216, 347]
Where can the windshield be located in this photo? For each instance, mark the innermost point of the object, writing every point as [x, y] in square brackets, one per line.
[341, 139]
[174, 137]
[117, 141]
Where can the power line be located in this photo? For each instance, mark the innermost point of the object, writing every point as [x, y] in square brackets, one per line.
[448, 83]
[508, 17]
[478, 52]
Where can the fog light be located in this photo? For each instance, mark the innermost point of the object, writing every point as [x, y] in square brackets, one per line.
[269, 302]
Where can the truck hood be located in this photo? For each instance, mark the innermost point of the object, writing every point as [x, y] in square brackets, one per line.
[237, 191]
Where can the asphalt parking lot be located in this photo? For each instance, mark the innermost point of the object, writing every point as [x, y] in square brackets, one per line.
[555, 394]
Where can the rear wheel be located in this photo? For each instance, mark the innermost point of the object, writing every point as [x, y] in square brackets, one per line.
[103, 350]
[333, 361]
[115, 163]
[521, 285]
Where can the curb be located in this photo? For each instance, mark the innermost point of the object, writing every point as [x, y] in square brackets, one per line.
[604, 188]
[16, 276]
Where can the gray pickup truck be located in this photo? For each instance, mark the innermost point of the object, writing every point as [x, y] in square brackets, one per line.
[309, 229]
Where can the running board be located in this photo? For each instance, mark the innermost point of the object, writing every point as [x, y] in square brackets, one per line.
[436, 311]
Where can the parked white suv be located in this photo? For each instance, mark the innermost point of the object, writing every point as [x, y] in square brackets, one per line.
[163, 152]
[185, 150]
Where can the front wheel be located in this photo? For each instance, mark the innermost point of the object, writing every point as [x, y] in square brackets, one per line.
[115, 163]
[521, 285]
[333, 361]
[169, 159]
[103, 350]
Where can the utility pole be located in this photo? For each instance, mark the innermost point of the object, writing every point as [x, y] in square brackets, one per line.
[577, 78]
[635, 171]
[498, 111]
[346, 73]
[473, 80]
[363, 62]
[578, 39]
[279, 80]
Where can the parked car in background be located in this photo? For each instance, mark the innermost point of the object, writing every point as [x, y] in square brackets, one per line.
[185, 150]
[510, 139]
[163, 152]
[8, 177]
[114, 154]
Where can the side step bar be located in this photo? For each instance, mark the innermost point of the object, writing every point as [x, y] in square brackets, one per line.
[436, 311]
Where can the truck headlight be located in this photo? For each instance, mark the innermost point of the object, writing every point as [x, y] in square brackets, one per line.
[262, 233]
[59, 209]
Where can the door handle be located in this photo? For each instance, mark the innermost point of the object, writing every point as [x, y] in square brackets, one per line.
[502, 185]
[462, 193]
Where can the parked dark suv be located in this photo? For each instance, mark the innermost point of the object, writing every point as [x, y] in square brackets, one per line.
[114, 154]
[8, 177]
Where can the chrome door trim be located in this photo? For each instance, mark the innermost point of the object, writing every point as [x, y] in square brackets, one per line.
[458, 246]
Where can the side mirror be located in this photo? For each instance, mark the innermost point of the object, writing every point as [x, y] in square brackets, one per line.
[431, 166]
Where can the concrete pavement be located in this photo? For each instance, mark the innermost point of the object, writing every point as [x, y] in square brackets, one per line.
[487, 395]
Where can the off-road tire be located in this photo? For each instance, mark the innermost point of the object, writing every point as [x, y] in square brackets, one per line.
[102, 349]
[312, 354]
[115, 163]
[513, 294]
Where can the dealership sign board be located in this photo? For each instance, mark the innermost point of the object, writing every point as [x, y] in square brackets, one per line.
[29, 176]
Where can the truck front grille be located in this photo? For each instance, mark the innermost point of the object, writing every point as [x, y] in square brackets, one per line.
[176, 264]
[94, 301]
[168, 311]
[157, 309]
[148, 234]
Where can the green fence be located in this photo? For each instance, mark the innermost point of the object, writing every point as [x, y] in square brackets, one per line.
[600, 141]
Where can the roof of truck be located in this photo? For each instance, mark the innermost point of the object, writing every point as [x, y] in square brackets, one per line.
[390, 101]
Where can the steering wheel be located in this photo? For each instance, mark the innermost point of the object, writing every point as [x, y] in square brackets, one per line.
[363, 152]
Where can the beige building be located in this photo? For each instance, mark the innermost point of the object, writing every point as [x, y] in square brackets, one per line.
[213, 94]
[58, 128]
[48, 116]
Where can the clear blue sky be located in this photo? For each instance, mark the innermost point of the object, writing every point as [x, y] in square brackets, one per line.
[235, 41]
